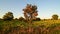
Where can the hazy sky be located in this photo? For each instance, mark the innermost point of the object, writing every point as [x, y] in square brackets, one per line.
[46, 8]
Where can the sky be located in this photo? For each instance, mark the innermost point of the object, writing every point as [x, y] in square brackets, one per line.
[46, 8]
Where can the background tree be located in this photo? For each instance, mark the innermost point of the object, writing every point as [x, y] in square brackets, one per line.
[0, 18]
[30, 12]
[21, 19]
[55, 17]
[37, 19]
[16, 18]
[8, 16]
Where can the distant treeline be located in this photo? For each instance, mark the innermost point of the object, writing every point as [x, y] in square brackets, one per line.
[9, 16]
[30, 12]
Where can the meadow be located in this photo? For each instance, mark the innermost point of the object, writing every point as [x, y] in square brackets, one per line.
[36, 27]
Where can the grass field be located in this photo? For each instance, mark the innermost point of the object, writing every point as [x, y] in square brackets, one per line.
[36, 27]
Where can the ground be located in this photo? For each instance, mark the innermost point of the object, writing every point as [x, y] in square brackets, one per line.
[40, 27]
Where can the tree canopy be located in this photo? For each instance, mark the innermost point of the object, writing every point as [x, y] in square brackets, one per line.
[55, 17]
[8, 16]
[30, 12]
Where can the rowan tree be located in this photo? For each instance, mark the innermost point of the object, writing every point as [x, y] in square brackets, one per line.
[30, 12]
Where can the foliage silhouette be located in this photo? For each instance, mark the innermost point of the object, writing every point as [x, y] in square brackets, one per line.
[55, 17]
[30, 12]
[8, 16]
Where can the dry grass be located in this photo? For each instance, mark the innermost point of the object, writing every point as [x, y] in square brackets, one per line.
[37, 27]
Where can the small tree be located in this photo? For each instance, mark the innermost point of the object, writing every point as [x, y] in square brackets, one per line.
[0, 18]
[21, 19]
[37, 19]
[16, 19]
[30, 12]
[8, 16]
[55, 17]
